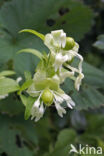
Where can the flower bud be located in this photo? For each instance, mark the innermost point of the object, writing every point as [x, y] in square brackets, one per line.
[69, 43]
[47, 97]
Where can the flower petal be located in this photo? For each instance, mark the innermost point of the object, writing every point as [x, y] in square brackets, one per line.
[49, 41]
[59, 38]
[69, 101]
[56, 39]
[65, 97]
[58, 98]
[78, 81]
[40, 112]
[60, 109]
[59, 60]
[65, 74]
[35, 108]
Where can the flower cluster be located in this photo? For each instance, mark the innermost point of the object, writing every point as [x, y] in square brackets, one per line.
[52, 71]
[64, 49]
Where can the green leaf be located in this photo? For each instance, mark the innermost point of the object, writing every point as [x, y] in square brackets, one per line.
[8, 85]
[97, 120]
[12, 130]
[30, 14]
[11, 105]
[8, 53]
[94, 132]
[93, 76]
[27, 129]
[43, 127]
[25, 85]
[27, 19]
[100, 42]
[7, 73]
[65, 138]
[88, 97]
[62, 146]
[32, 51]
[41, 36]
[30, 102]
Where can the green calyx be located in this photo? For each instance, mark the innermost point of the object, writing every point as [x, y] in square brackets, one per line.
[47, 97]
[70, 43]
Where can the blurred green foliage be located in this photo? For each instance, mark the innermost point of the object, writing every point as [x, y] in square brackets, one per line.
[52, 136]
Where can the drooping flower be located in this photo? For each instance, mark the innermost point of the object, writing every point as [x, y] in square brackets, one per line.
[78, 70]
[60, 46]
[59, 98]
[37, 110]
[46, 98]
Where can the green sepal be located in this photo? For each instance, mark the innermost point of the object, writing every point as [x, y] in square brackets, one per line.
[46, 83]
[29, 104]
[41, 36]
[32, 51]
[23, 99]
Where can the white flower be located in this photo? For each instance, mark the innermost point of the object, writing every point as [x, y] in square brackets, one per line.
[62, 48]
[59, 60]
[59, 38]
[3, 96]
[37, 110]
[63, 56]
[55, 40]
[60, 109]
[74, 70]
[59, 98]
[47, 97]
